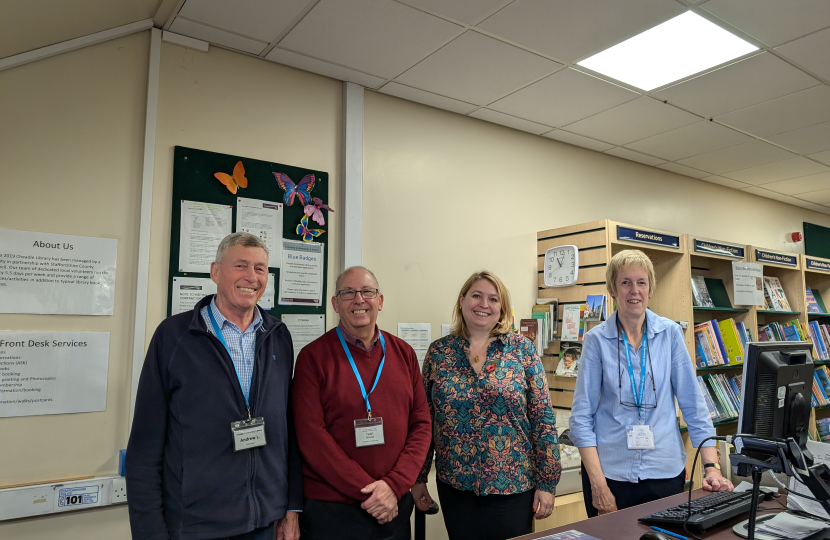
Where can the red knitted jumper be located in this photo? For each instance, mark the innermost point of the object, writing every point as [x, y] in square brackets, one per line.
[327, 400]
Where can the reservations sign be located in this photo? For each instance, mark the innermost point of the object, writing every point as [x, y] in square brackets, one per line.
[647, 237]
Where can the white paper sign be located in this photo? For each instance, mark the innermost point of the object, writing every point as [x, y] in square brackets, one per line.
[266, 301]
[262, 219]
[417, 335]
[48, 273]
[203, 226]
[748, 283]
[445, 330]
[301, 274]
[188, 291]
[304, 329]
[53, 372]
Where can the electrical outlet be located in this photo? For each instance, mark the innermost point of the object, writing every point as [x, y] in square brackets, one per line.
[119, 490]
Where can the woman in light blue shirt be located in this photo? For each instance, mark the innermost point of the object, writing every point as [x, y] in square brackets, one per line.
[623, 419]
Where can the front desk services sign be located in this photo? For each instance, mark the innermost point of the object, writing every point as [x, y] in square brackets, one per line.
[46, 273]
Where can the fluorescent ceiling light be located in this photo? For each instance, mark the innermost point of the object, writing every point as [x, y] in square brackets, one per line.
[675, 49]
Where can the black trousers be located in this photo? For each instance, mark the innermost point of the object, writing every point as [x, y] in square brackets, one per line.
[468, 516]
[630, 494]
[335, 521]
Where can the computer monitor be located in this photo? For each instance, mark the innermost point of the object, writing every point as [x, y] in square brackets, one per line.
[777, 387]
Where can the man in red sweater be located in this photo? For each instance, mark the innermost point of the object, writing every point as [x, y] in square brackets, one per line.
[362, 422]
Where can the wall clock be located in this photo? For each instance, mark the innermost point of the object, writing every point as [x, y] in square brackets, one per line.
[561, 266]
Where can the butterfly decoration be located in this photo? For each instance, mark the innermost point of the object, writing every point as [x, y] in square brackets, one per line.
[300, 190]
[236, 181]
[315, 210]
[307, 234]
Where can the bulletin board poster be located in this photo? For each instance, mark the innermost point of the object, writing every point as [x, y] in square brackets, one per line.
[215, 194]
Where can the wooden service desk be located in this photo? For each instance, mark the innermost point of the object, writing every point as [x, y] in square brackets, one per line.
[623, 525]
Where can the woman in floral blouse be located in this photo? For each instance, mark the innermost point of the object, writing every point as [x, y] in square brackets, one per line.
[493, 432]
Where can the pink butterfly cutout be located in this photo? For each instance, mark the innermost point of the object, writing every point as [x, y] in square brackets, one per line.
[315, 210]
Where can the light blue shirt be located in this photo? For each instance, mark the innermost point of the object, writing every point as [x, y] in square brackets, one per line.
[241, 345]
[599, 419]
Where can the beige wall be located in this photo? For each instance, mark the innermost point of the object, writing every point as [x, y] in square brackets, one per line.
[446, 195]
[235, 104]
[71, 149]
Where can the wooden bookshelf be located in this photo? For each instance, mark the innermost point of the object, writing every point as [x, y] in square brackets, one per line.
[817, 277]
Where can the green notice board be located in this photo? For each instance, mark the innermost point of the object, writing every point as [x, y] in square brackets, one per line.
[816, 240]
[193, 180]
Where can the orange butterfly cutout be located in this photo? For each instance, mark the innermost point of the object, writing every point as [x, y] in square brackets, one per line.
[237, 180]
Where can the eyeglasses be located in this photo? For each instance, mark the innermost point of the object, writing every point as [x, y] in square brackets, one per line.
[349, 294]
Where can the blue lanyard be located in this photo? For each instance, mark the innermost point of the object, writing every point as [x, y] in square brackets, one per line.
[357, 373]
[638, 399]
[222, 339]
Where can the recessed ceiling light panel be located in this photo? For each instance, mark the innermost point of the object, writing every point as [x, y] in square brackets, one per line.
[677, 48]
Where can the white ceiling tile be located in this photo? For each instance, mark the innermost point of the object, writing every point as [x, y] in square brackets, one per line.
[477, 69]
[794, 111]
[216, 36]
[433, 100]
[631, 155]
[761, 192]
[823, 157]
[817, 197]
[373, 36]
[510, 121]
[698, 138]
[777, 171]
[727, 182]
[260, 19]
[637, 119]
[810, 52]
[801, 185]
[748, 82]
[741, 156]
[564, 97]
[322, 68]
[578, 140]
[682, 169]
[772, 21]
[811, 206]
[808, 140]
[465, 11]
[571, 31]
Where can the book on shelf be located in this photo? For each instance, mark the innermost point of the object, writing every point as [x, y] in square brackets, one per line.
[819, 301]
[823, 429]
[719, 341]
[700, 293]
[776, 294]
[529, 328]
[542, 314]
[553, 308]
[731, 341]
[573, 324]
[710, 349]
[812, 305]
[569, 355]
[596, 307]
[722, 395]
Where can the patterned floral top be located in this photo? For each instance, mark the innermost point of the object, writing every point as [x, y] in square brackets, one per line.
[493, 433]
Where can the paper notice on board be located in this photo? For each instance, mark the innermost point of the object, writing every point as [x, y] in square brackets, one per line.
[445, 330]
[203, 226]
[301, 274]
[53, 372]
[262, 219]
[266, 301]
[748, 283]
[48, 273]
[188, 291]
[304, 329]
[418, 337]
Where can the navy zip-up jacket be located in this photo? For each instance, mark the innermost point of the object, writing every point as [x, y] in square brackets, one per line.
[183, 477]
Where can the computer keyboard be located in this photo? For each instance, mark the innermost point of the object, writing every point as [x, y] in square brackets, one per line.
[707, 512]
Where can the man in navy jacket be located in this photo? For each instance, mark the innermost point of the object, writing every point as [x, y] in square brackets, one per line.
[213, 452]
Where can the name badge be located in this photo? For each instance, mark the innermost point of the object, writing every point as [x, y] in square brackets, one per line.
[640, 437]
[368, 432]
[248, 433]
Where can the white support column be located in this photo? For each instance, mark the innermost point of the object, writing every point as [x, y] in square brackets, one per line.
[142, 277]
[353, 168]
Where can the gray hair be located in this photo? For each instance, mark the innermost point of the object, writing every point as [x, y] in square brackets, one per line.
[355, 267]
[239, 239]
